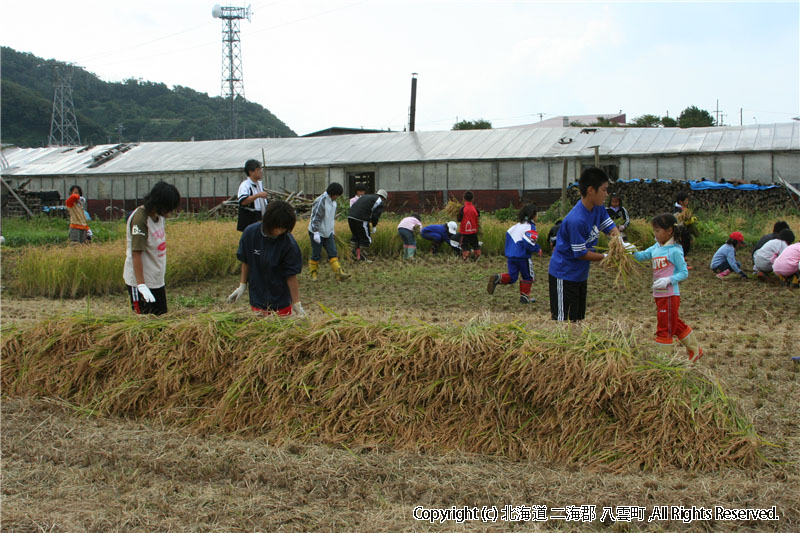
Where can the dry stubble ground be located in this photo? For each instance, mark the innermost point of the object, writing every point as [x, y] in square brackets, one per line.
[66, 472]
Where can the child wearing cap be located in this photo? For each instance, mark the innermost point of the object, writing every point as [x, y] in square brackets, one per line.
[520, 246]
[724, 261]
[440, 233]
[407, 228]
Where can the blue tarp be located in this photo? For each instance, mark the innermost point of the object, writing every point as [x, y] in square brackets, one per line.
[700, 185]
[706, 185]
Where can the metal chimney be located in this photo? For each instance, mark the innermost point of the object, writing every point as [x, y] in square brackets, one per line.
[412, 112]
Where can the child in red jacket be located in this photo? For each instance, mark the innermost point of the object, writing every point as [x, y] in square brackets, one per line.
[468, 228]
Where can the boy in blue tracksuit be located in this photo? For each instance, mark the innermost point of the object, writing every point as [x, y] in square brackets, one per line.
[568, 272]
[520, 246]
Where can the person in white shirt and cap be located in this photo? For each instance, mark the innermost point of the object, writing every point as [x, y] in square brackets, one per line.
[251, 197]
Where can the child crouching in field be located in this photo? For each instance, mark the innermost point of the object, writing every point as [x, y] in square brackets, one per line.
[766, 254]
[669, 269]
[271, 261]
[407, 229]
[724, 260]
[520, 246]
[787, 266]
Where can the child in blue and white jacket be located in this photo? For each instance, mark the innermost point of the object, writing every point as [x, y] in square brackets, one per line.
[520, 246]
[669, 269]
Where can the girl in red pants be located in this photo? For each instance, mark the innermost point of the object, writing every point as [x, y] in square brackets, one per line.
[669, 269]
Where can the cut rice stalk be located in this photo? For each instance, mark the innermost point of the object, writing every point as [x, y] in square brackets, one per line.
[620, 261]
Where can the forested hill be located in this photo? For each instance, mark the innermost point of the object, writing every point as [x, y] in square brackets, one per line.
[147, 111]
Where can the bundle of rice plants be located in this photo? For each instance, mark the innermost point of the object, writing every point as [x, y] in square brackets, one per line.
[452, 208]
[640, 233]
[563, 395]
[619, 261]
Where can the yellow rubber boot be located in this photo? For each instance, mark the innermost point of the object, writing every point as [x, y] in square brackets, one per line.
[313, 268]
[693, 348]
[340, 274]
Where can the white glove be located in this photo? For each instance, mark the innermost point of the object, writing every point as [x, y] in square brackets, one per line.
[630, 247]
[374, 229]
[145, 293]
[235, 295]
[661, 283]
[317, 238]
[297, 310]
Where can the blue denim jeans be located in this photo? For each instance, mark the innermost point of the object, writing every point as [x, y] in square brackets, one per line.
[316, 249]
[407, 236]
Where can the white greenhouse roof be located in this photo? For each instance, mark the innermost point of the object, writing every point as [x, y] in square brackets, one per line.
[402, 147]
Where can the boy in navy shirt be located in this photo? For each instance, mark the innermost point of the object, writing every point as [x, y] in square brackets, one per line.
[271, 261]
[577, 237]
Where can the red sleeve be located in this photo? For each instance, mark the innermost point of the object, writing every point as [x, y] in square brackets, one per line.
[72, 199]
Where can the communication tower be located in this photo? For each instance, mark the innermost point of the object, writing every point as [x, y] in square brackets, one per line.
[232, 84]
[63, 125]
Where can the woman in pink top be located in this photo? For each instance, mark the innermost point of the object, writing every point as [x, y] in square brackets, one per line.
[787, 264]
[406, 228]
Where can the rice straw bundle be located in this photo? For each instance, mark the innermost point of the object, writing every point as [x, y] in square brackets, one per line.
[619, 260]
[684, 216]
[452, 209]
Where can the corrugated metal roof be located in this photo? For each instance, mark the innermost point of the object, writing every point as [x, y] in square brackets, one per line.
[506, 143]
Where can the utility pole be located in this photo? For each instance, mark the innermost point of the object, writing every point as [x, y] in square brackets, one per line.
[717, 113]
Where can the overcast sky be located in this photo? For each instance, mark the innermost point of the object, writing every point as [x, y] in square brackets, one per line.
[322, 63]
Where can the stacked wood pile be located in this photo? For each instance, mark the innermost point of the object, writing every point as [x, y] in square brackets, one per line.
[230, 207]
[34, 200]
[648, 199]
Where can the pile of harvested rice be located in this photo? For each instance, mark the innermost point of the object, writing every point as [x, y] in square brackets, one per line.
[567, 396]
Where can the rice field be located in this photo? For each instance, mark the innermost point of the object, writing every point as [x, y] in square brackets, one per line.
[113, 426]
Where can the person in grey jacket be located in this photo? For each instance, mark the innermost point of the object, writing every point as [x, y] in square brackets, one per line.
[321, 231]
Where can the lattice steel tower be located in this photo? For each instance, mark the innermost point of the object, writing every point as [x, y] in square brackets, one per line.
[63, 125]
[232, 83]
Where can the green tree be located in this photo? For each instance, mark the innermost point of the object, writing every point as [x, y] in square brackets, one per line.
[669, 122]
[647, 121]
[479, 124]
[694, 117]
